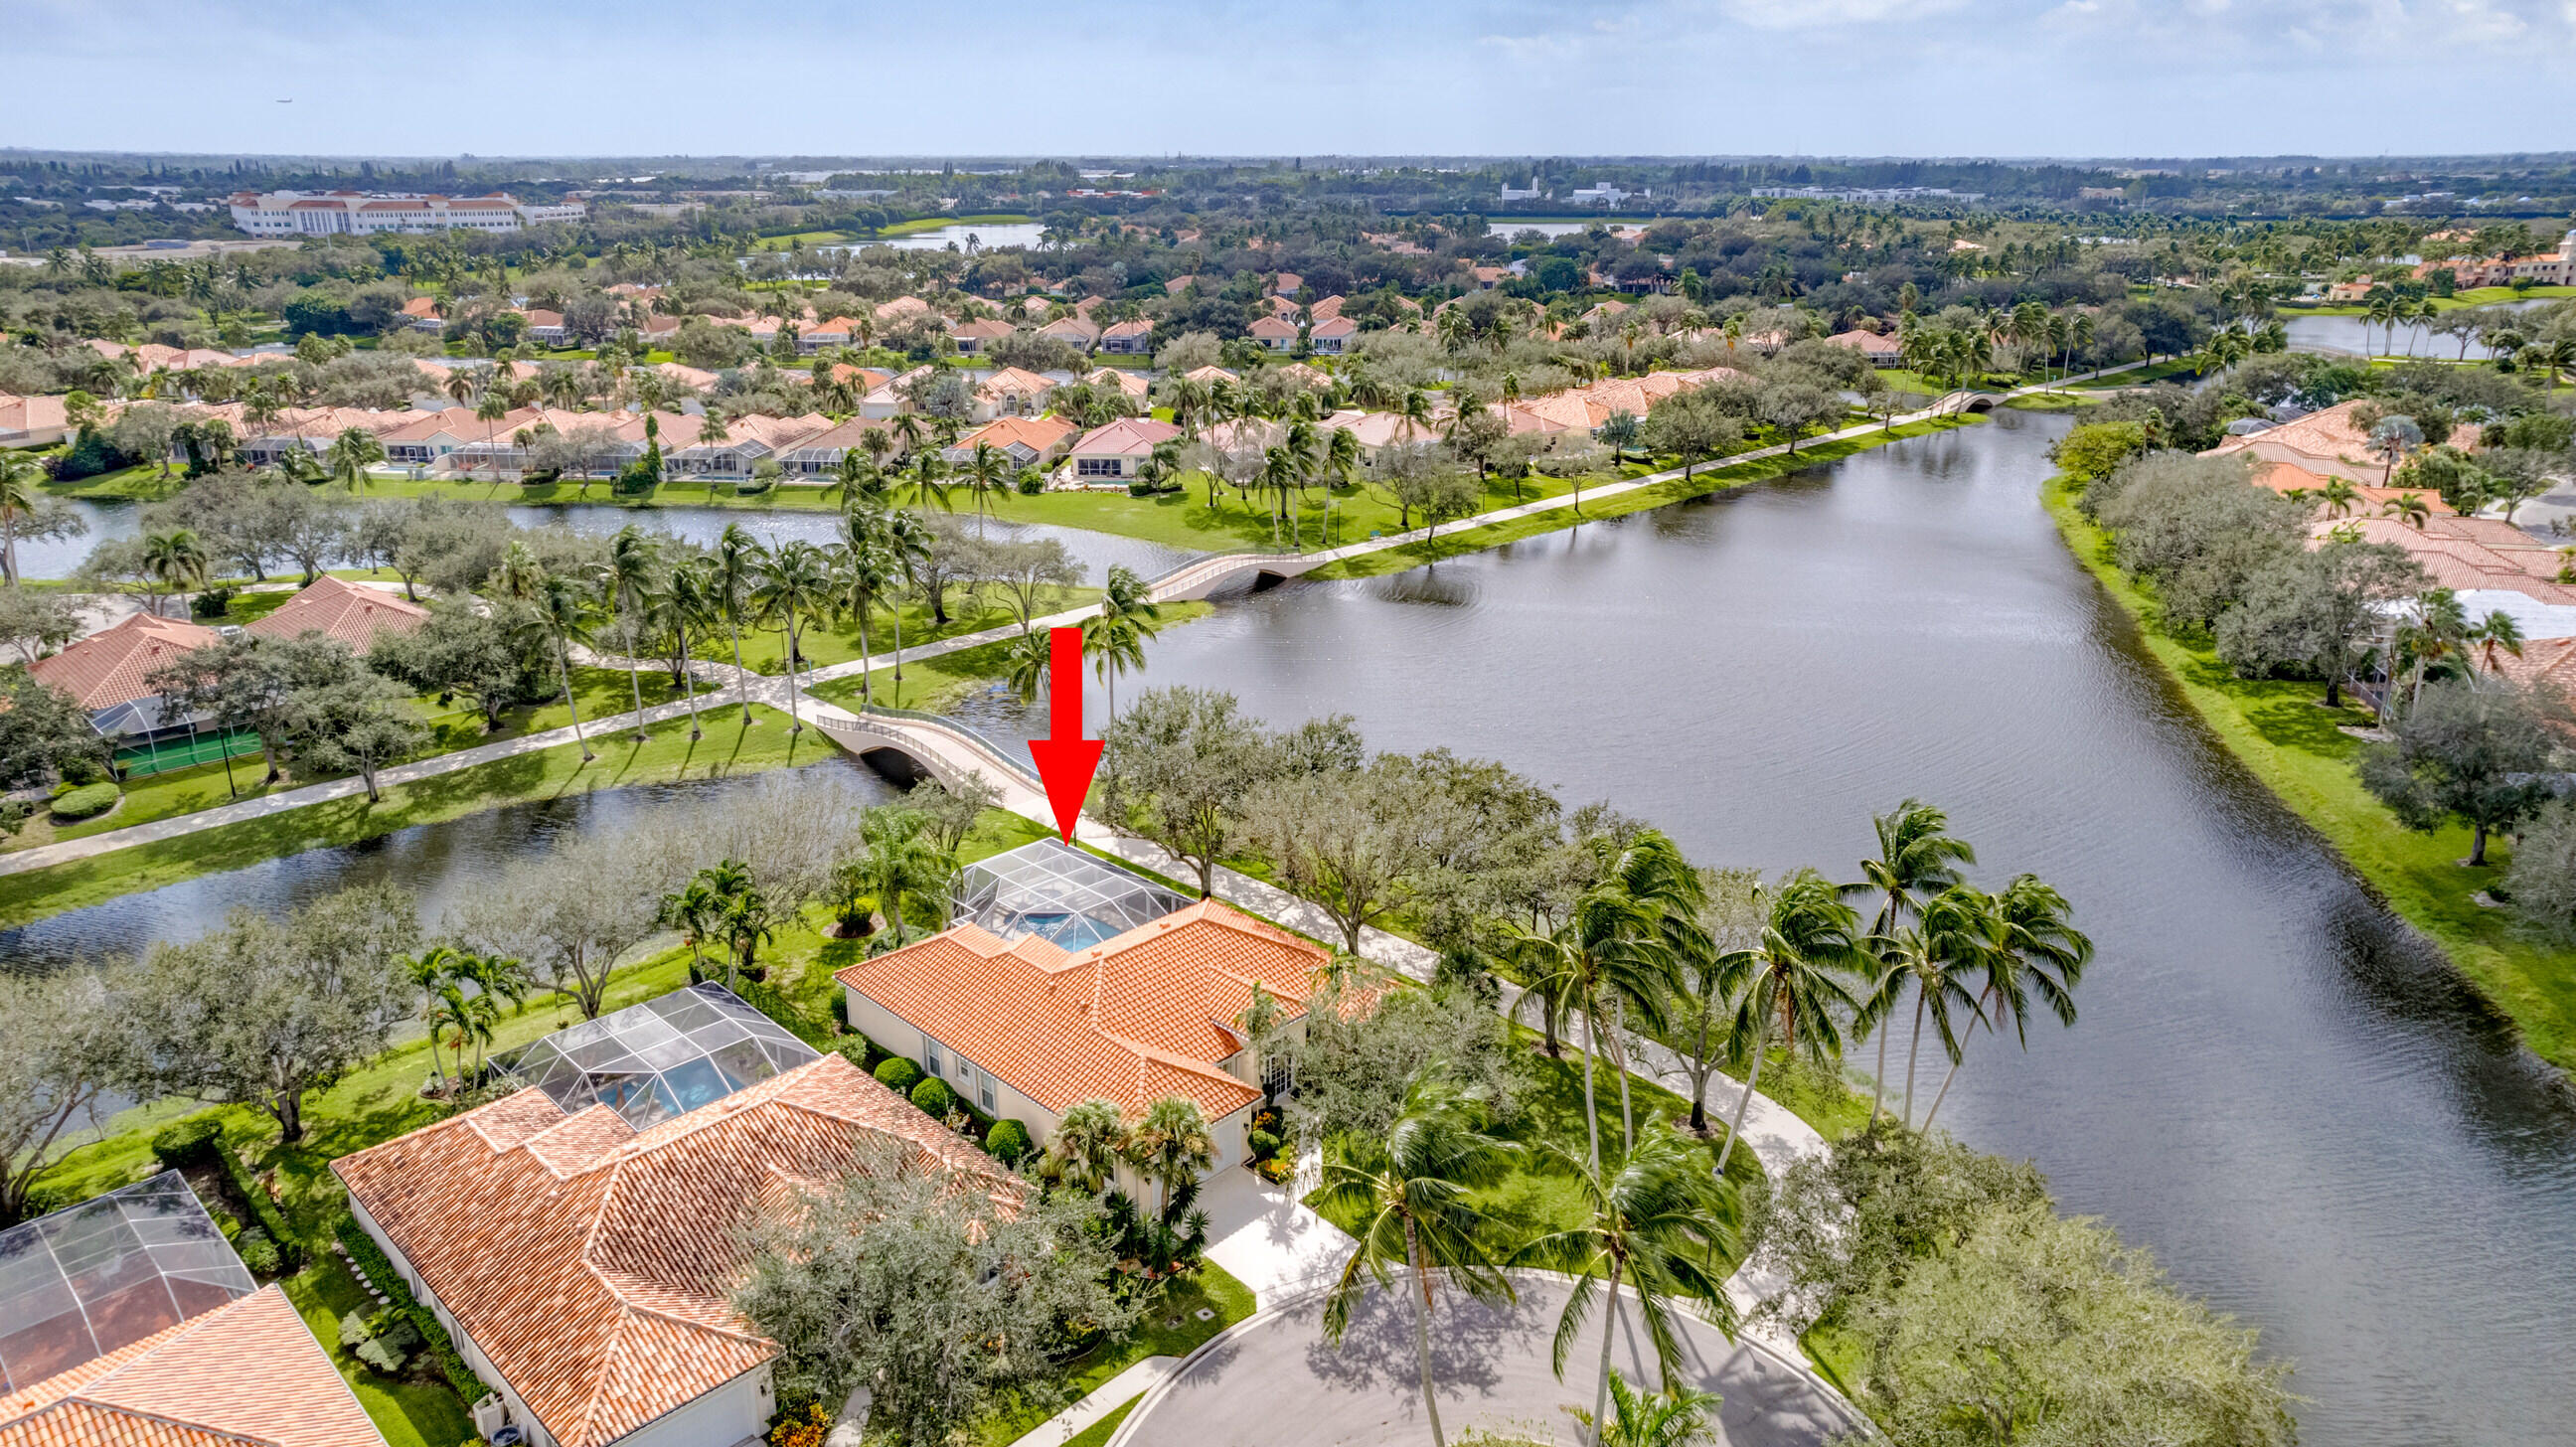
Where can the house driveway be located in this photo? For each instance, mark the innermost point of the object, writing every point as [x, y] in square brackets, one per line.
[1268, 1239]
[1274, 1382]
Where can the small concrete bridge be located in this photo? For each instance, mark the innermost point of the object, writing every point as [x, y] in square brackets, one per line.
[1199, 577]
[1968, 400]
[923, 745]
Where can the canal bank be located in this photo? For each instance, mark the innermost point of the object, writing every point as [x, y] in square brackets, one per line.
[2283, 734]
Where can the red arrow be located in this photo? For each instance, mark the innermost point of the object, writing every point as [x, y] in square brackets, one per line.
[1067, 761]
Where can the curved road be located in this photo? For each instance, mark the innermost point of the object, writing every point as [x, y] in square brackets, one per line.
[1274, 1380]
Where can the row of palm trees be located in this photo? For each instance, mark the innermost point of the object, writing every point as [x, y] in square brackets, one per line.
[461, 997]
[1637, 949]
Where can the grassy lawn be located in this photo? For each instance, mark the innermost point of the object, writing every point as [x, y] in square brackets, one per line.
[765, 650]
[408, 1411]
[1179, 1301]
[1712, 478]
[1186, 520]
[2279, 731]
[1099, 1433]
[933, 684]
[666, 755]
[933, 223]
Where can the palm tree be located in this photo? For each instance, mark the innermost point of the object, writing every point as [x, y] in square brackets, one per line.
[630, 582]
[927, 481]
[2036, 951]
[1116, 635]
[2391, 437]
[1083, 1152]
[736, 569]
[1662, 1226]
[430, 971]
[1620, 431]
[866, 574]
[2411, 507]
[1937, 960]
[692, 910]
[351, 454]
[897, 858]
[173, 561]
[1170, 1146]
[1612, 956]
[1917, 857]
[988, 471]
[905, 541]
[2498, 633]
[22, 497]
[1795, 976]
[1678, 1417]
[793, 589]
[1410, 1192]
[560, 610]
[2339, 496]
[687, 601]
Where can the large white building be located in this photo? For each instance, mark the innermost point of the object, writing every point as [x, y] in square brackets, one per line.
[364, 213]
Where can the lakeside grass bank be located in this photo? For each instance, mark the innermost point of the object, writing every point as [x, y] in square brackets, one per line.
[2280, 731]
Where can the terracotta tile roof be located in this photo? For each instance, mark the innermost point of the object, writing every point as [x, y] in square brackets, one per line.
[591, 1265]
[1014, 381]
[1867, 343]
[1127, 382]
[1038, 434]
[1268, 327]
[990, 331]
[1137, 328]
[1135, 1018]
[186, 1387]
[2463, 553]
[1210, 373]
[1336, 325]
[30, 414]
[1127, 436]
[109, 666]
[342, 610]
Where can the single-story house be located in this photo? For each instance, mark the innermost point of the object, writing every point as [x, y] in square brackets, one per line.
[127, 1321]
[109, 667]
[32, 421]
[1333, 335]
[547, 329]
[1882, 351]
[821, 453]
[578, 1237]
[1028, 441]
[973, 337]
[1129, 338]
[350, 612]
[1010, 392]
[1069, 979]
[1274, 334]
[1117, 450]
[1074, 331]
[1135, 388]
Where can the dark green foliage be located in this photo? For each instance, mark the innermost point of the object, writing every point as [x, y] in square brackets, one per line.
[898, 1074]
[1007, 1142]
[189, 1142]
[89, 457]
[935, 1098]
[258, 1252]
[363, 1250]
[765, 997]
[87, 802]
[254, 1199]
[354, 1329]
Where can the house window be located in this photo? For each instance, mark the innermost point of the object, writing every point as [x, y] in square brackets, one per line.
[1095, 467]
[984, 1091]
[930, 1058]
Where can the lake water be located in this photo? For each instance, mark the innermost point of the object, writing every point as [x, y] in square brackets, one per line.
[2273, 1084]
[1094, 550]
[990, 236]
[2362, 337]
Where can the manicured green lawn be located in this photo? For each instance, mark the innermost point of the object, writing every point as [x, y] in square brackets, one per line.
[666, 755]
[933, 684]
[1185, 519]
[765, 650]
[407, 1412]
[1099, 1433]
[1171, 1328]
[2280, 733]
[1712, 478]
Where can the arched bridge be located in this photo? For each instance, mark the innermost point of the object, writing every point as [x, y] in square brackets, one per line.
[1963, 401]
[928, 745]
[1201, 576]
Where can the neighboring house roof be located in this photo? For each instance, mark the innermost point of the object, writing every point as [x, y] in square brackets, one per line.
[31, 414]
[1038, 434]
[1270, 327]
[109, 666]
[1326, 308]
[343, 610]
[987, 330]
[1311, 378]
[1071, 329]
[1123, 330]
[1335, 325]
[1127, 382]
[1143, 1015]
[593, 1265]
[247, 1374]
[1210, 373]
[1013, 381]
[1126, 437]
[1869, 344]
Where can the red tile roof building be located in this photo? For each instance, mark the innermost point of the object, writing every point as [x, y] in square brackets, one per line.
[246, 1374]
[586, 1270]
[343, 610]
[109, 667]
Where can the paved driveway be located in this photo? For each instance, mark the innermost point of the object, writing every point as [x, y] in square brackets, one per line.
[1267, 1239]
[1275, 1383]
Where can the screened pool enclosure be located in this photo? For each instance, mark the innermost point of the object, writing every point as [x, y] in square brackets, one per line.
[100, 1276]
[1058, 893]
[663, 1058]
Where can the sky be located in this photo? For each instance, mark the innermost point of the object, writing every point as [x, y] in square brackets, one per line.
[2012, 78]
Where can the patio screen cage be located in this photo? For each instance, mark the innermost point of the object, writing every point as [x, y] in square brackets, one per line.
[1058, 893]
[100, 1276]
[663, 1058]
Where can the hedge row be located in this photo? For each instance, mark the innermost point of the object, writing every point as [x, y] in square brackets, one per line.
[263, 1210]
[372, 1260]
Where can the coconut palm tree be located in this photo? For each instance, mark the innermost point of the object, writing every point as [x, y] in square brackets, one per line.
[564, 612]
[792, 589]
[2339, 496]
[1796, 976]
[736, 569]
[1612, 957]
[630, 582]
[988, 471]
[897, 859]
[430, 972]
[1939, 960]
[1410, 1192]
[1026, 661]
[1917, 856]
[174, 561]
[927, 481]
[1171, 1146]
[2499, 633]
[905, 540]
[864, 575]
[1662, 1226]
[351, 454]
[693, 910]
[1678, 1417]
[2036, 951]
[1083, 1152]
[2392, 437]
[686, 602]
[22, 498]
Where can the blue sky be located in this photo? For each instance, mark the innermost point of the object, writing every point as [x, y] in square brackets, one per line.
[1674, 77]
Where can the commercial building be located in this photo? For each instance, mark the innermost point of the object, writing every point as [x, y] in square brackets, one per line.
[365, 213]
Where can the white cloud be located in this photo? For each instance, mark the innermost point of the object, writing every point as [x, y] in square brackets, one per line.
[1828, 14]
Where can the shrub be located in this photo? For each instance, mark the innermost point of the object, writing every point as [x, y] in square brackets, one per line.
[89, 457]
[805, 1426]
[1264, 1145]
[82, 769]
[258, 1251]
[261, 1206]
[1031, 484]
[898, 1075]
[935, 1098]
[87, 801]
[389, 1352]
[370, 1259]
[185, 1143]
[354, 1329]
[1007, 1142]
[212, 603]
